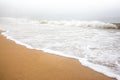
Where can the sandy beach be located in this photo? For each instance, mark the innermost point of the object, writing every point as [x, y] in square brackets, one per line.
[19, 63]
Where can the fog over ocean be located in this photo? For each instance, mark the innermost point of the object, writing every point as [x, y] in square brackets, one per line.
[87, 30]
[84, 10]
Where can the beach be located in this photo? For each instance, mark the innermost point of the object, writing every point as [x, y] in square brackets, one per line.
[20, 63]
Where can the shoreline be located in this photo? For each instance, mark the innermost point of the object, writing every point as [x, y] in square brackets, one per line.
[19, 62]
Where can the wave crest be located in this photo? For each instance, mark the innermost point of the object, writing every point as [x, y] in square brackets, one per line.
[84, 24]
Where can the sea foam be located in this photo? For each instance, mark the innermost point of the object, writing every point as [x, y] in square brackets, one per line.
[95, 44]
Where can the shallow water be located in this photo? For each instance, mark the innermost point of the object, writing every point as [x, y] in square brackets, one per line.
[95, 44]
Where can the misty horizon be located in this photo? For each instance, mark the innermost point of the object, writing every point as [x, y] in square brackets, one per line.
[102, 10]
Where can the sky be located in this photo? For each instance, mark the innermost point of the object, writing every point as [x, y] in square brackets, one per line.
[62, 9]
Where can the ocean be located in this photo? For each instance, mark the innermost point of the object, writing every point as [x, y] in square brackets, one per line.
[95, 44]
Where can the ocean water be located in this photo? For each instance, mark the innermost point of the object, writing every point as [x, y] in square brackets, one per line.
[95, 44]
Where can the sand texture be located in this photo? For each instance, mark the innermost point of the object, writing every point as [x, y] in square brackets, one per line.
[19, 63]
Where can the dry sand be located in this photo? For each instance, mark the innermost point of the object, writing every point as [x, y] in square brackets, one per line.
[19, 63]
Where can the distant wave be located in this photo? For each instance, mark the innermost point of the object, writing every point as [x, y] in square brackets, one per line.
[74, 23]
[87, 24]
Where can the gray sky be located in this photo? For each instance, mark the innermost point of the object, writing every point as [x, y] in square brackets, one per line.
[62, 9]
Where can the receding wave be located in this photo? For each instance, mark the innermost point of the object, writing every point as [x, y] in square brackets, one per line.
[89, 42]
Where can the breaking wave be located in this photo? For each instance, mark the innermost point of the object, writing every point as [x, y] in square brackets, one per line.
[87, 24]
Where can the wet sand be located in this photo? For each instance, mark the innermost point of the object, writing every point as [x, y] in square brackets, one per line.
[19, 63]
